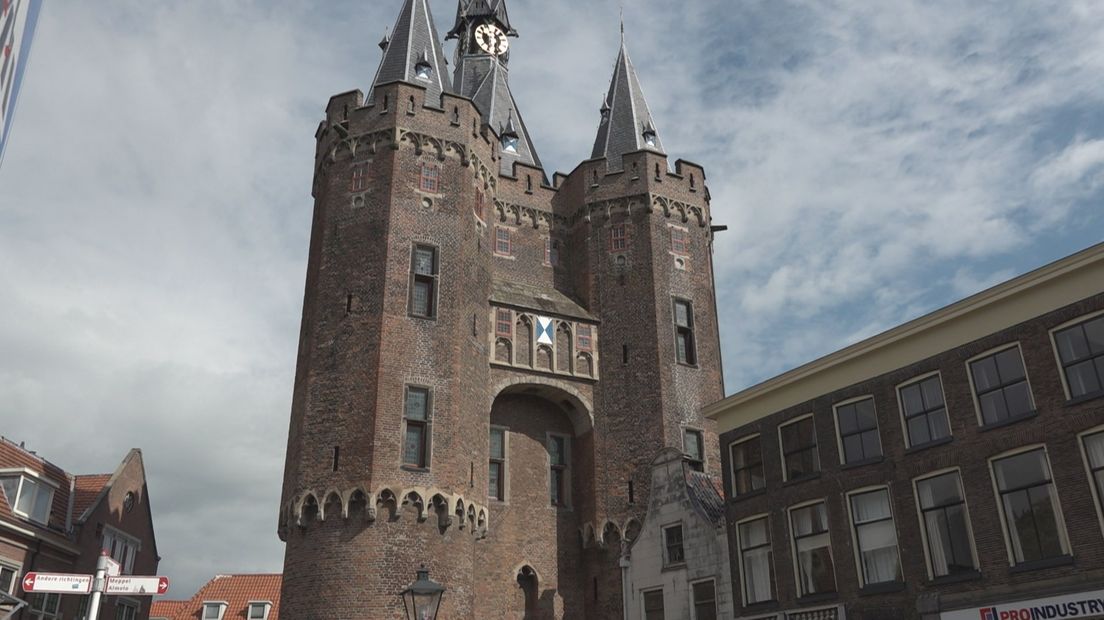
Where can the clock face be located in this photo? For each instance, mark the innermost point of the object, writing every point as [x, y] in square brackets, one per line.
[491, 39]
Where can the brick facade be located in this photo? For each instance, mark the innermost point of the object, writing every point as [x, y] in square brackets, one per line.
[1056, 425]
[356, 530]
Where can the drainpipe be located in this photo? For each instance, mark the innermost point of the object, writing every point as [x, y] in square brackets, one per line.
[626, 587]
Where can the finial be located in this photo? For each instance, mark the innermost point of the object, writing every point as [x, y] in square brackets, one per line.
[622, 22]
[386, 40]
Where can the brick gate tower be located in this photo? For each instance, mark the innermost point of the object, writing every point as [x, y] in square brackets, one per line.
[489, 359]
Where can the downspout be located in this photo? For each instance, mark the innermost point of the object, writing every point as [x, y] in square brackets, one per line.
[30, 568]
[626, 589]
[69, 508]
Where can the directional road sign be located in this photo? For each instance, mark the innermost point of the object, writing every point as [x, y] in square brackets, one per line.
[114, 569]
[57, 583]
[137, 585]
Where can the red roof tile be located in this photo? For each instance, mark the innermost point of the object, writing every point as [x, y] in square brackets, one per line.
[14, 456]
[85, 491]
[235, 590]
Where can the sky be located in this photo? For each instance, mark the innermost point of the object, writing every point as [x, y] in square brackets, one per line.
[873, 161]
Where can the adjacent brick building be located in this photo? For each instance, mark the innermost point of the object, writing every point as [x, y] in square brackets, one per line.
[226, 597]
[952, 467]
[489, 359]
[58, 522]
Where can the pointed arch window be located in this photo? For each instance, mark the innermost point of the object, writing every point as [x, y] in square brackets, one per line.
[430, 179]
[510, 144]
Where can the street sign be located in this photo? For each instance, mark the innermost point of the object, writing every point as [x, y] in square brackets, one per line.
[137, 585]
[114, 569]
[57, 583]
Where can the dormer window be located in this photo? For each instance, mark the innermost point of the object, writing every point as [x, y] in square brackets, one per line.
[214, 610]
[258, 610]
[510, 144]
[29, 497]
[423, 70]
[650, 137]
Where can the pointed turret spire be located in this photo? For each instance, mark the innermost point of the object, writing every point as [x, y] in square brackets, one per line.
[413, 53]
[627, 125]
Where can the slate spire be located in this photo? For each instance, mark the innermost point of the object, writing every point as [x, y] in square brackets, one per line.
[627, 125]
[413, 53]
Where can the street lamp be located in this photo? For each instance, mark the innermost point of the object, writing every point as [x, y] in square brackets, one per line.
[422, 599]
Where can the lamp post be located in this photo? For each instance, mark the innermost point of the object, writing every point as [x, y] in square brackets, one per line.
[422, 599]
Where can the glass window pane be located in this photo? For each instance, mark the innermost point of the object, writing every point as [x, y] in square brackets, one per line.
[865, 415]
[871, 506]
[1021, 526]
[42, 504]
[753, 534]
[412, 446]
[495, 479]
[960, 557]
[1018, 399]
[872, 445]
[939, 491]
[498, 443]
[1022, 470]
[933, 392]
[985, 374]
[919, 433]
[1083, 378]
[1010, 365]
[682, 314]
[912, 399]
[416, 404]
[852, 448]
[1094, 331]
[1045, 510]
[692, 443]
[757, 575]
[25, 502]
[848, 420]
[1094, 447]
[11, 488]
[423, 261]
[937, 422]
[423, 293]
[1072, 344]
[993, 408]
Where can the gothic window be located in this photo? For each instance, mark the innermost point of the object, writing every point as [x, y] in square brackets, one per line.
[1081, 351]
[497, 480]
[812, 547]
[563, 348]
[359, 181]
[523, 342]
[679, 241]
[416, 417]
[504, 323]
[618, 241]
[430, 179]
[423, 275]
[503, 246]
[559, 460]
[584, 338]
[685, 351]
[858, 430]
[924, 410]
[694, 448]
[1000, 386]
[423, 70]
[510, 144]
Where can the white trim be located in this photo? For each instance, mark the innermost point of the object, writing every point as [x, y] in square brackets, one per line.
[222, 605]
[793, 543]
[1060, 520]
[973, 389]
[740, 562]
[25, 471]
[923, 526]
[667, 563]
[901, 404]
[1081, 437]
[732, 462]
[1085, 318]
[662, 596]
[249, 608]
[17, 567]
[839, 434]
[782, 446]
[857, 547]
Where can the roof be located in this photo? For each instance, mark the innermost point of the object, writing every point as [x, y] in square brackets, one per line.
[86, 490]
[1021, 299]
[237, 591]
[626, 116]
[414, 40]
[485, 80]
[15, 456]
[705, 494]
[467, 9]
[532, 298]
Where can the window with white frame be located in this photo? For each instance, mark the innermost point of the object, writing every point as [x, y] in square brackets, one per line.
[705, 600]
[213, 610]
[673, 551]
[924, 411]
[812, 545]
[126, 610]
[1093, 444]
[1000, 386]
[693, 444]
[858, 430]
[1029, 506]
[875, 537]
[653, 605]
[946, 525]
[800, 458]
[43, 606]
[1081, 352]
[29, 496]
[746, 456]
[258, 610]
[756, 570]
[9, 577]
[121, 547]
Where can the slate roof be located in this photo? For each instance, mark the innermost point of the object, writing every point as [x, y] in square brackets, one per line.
[485, 80]
[467, 9]
[539, 299]
[705, 495]
[414, 39]
[625, 115]
[237, 591]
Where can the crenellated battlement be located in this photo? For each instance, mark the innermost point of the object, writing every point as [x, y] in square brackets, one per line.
[390, 502]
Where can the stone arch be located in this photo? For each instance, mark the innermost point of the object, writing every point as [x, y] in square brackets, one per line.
[332, 505]
[577, 407]
[388, 501]
[611, 534]
[414, 499]
[563, 346]
[440, 506]
[523, 340]
[308, 510]
[632, 530]
[357, 504]
[588, 536]
[529, 582]
[460, 512]
[471, 517]
[504, 350]
[584, 364]
[544, 358]
[481, 523]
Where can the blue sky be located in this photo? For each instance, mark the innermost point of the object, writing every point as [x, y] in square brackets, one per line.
[873, 160]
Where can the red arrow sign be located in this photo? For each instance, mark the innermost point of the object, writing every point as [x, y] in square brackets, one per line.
[28, 582]
[163, 585]
[137, 585]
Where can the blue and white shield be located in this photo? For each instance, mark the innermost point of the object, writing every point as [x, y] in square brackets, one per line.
[545, 330]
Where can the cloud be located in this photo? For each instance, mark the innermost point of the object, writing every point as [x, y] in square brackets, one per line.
[874, 161]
